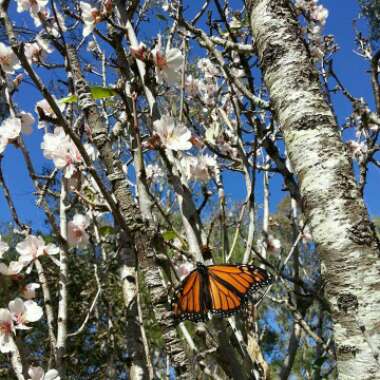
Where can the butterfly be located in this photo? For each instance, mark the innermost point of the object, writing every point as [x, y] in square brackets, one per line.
[220, 289]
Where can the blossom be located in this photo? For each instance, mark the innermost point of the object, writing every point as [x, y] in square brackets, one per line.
[6, 330]
[36, 51]
[273, 244]
[208, 68]
[37, 373]
[36, 8]
[13, 269]
[3, 247]
[173, 135]
[184, 269]
[168, 65]
[154, 170]
[24, 312]
[44, 106]
[29, 290]
[90, 17]
[358, 149]
[8, 59]
[60, 148]
[10, 129]
[33, 6]
[198, 167]
[319, 13]
[27, 120]
[33, 247]
[76, 230]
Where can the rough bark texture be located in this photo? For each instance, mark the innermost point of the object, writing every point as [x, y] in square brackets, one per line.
[143, 237]
[334, 208]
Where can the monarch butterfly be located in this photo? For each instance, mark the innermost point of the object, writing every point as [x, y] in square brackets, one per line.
[219, 289]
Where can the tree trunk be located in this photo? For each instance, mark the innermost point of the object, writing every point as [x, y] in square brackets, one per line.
[332, 203]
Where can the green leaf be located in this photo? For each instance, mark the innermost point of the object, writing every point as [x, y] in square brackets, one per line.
[68, 99]
[161, 17]
[97, 92]
[106, 230]
[169, 235]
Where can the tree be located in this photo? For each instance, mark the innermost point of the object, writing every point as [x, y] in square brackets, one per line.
[143, 138]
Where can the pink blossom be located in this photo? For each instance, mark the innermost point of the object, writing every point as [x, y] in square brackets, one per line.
[168, 65]
[3, 247]
[13, 269]
[90, 17]
[33, 247]
[29, 290]
[8, 59]
[198, 168]
[76, 230]
[173, 135]
[37, 373]
[184, 269]
[10, 129]
[24, 312]
[6, 330]
[60, 148]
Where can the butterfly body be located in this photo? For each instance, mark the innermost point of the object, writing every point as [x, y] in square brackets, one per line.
[218, 289]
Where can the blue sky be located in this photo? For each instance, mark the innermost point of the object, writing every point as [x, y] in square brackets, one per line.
[351, 68]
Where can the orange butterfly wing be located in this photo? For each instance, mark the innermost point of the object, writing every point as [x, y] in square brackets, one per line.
[231, 285]
[189, 303]
[220, 289]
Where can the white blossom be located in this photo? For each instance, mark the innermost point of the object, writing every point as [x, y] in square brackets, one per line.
[13, 269]
[76, 230]
[60, 148]
[208, 68]
[33, 6]
[36, 51]
[29, 290]
[24, 312]
[8, 59]
[273, 244]
[6, 330]
[27, 121]
[3, 247]
[47, 110]
[168, 65]
[198, 168]
[184, 269]
[90, 17]
[10, 129]
[173, 135]
[37, 373]
[33, 247]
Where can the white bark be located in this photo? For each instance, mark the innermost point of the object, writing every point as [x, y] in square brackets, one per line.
[332, 203]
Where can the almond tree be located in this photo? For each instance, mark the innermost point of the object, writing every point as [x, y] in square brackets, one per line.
[142, 135]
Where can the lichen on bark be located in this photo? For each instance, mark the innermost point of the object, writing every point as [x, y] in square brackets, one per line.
[332, 202]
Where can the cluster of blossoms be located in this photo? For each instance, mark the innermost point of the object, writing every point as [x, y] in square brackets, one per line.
[17, 316]
[317, 14]
[39, 12]
[31, 248]
[198, 168]
[61, 149]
